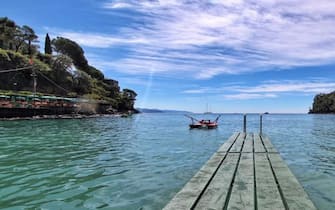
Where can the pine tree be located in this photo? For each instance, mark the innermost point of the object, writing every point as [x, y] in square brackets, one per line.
[47, 47]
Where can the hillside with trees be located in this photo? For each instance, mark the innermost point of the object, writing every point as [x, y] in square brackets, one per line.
[62, 69]
[323, 103]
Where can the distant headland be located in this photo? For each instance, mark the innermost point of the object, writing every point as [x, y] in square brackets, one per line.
[323, 104]
[146, 110]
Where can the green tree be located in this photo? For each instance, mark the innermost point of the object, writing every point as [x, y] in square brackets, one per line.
[72, 49]
[61, 65]
[112, 86]
[61, 73]
[47, 46]
[76, 53]
[324, 103]
[7, 32]
[95, 73]
[18, 38]
[82, 82]
[129, 94]
[127, 99]
[14, 36]
[29, 36]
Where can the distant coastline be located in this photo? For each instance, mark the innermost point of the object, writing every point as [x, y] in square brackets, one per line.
[156, 110]
[147, 110]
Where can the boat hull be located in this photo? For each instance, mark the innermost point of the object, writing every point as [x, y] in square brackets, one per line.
[195, 126]
[203, 126]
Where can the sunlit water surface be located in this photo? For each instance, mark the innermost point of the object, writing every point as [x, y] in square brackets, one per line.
[142, 161]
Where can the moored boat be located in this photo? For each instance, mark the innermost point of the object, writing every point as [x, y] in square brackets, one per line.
[195, 125]
[207, 124]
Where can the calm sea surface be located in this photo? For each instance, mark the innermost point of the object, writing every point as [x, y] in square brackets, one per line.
[142, 161]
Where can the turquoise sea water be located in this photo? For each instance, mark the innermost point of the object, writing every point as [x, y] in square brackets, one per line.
[142, 161]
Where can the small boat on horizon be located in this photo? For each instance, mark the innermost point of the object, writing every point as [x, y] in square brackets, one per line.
[208, 112]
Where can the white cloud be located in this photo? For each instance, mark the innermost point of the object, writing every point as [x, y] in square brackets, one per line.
[290, 86]
[117, 5]
[216, 37]
[209, 73]
[101, 40]
[268, 89]
[246, 96]
[140, 5]
[196, 91]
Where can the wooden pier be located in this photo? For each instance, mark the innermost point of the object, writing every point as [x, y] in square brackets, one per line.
[246, 172]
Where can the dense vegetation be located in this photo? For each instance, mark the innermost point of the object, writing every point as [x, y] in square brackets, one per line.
[62, 69]
[324, 103]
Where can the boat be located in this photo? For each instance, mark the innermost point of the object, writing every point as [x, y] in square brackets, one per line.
[207, 112]
[200, 124]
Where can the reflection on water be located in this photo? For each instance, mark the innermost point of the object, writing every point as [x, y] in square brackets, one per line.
[142, 161]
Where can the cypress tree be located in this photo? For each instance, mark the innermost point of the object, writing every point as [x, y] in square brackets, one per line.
[47, 47]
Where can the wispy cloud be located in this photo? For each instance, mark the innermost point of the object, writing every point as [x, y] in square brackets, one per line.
[246, 96]
[101, 40]
[268, 89]
[208, 38]
[290, 86]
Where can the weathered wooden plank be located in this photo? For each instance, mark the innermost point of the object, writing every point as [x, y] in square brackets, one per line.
[237, 146]
[186, 198]
[248, 143]
[215, 195]
[258, 145]
[242, 196]
[294, 194]
[222, 183]
[268, 145]
[268, 196]
[226, 146]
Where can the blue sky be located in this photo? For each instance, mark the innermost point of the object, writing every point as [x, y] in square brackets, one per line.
[234, 55]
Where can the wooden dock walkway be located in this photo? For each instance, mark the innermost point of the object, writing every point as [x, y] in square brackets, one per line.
[246, 172]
